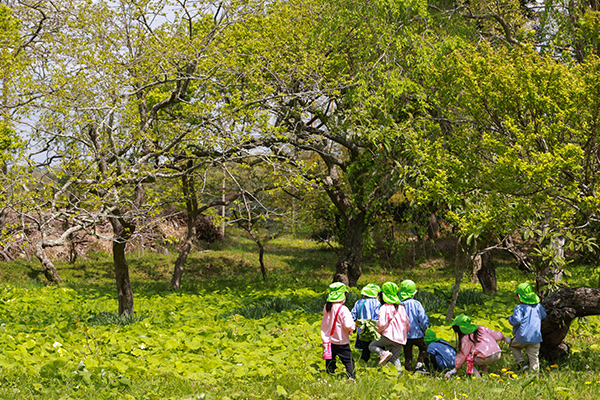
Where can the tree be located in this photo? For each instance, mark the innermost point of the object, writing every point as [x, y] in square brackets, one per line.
[562, 307]
[512, 151]
[334, 93]
[114, 81]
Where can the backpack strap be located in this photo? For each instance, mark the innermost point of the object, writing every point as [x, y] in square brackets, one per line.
[335, 320]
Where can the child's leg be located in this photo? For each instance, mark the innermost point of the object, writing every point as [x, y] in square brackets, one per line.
[345, 354]
[377, 346]
[483, 361]
[420, 343]
[408, 350]
[330, 364]
[533, 353]
[396, 350]
[366, 353]
[516, 348]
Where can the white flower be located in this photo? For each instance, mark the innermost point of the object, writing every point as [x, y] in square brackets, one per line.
[56, 344]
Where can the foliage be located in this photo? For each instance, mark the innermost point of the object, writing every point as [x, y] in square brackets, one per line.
[196, 344]
[368, 330]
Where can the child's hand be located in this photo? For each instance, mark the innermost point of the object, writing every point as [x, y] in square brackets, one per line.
[507, 339]
[450, 373]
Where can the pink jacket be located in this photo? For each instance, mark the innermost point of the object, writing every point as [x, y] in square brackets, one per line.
[344, 325]
[486, 347]
[392, 323]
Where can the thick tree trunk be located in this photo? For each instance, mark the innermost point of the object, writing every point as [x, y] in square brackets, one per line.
[124, 290]
[487, 273]
[562, 307]
[349, 267]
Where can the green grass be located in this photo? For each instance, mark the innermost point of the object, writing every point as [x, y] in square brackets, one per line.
[227, 334]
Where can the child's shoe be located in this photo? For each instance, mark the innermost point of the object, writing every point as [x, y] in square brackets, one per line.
[420, 369]
[522, 367]
[385, 357]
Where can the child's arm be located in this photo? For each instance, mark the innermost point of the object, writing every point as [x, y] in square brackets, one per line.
[517, 317]
[542, 312]
[354, 311]
[423, 318]
[346, 319]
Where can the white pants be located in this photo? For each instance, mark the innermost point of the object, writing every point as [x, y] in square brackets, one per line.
[531, 349]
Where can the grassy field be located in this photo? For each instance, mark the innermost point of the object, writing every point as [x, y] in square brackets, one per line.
[230, 335]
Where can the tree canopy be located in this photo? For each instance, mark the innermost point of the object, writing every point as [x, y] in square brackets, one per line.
[485, 115]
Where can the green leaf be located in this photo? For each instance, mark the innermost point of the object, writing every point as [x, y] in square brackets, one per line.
[281, 392]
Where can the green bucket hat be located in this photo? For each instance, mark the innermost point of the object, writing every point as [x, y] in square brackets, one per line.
[430, 337]
[390, 293]
[408, 289]
[371, 290]
[336, 292]
[526, 294]
[464, 324]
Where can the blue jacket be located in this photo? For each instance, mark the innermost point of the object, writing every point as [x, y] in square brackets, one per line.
[369, 309]
[527, 322]
[419, 321]
[444, 354]
[365, 309]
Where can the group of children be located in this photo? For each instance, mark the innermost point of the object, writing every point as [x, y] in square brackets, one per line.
[402, 323]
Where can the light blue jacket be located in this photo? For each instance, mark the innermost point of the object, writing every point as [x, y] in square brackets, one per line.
[419, 321]
[366, 309]
[444, 354]
[527, 322]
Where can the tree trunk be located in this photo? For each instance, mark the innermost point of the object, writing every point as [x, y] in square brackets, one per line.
[458, 274]
[433, 228]
[562, 307]
[191, 206]
[487, 273]
[261, 252]
[50, 271]
[48, 267]
[180, 263]
[349, 267]
[521, 257]
[124, 290]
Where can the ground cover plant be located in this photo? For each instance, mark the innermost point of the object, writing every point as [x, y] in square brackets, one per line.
[230, 335]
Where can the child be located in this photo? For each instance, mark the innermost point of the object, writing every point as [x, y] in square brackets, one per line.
[477, 341]
[527, 327]
[367, 308]
[393, 326]
[441, 353]
[336, 326]
[419, 322]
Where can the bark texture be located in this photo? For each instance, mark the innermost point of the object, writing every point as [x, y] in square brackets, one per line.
[349, 266]
[48, 267]
[191, 205]
[487, 273]
[562, 307]
[124, 289]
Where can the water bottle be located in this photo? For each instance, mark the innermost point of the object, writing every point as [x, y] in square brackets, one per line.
[469, 364]
[326, 351]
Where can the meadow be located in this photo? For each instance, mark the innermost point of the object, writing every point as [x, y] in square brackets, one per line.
[227, 334]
